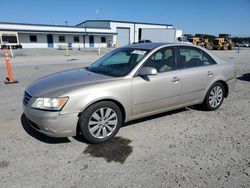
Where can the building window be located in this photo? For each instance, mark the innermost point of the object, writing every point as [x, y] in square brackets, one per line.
[33, 38]
[103, 39]
[76, 39]
[61, 38]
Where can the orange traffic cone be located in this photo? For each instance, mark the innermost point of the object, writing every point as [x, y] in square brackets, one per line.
[9, 71]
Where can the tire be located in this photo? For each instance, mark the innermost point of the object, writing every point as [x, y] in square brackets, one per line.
[209, 46]
[95, 121]
[231, 47]
[225, 47]
[217, 89]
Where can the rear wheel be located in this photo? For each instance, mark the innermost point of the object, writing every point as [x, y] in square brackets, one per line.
[101, 121]
[214, 97]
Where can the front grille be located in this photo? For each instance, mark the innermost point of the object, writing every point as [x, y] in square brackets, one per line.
[26, 98]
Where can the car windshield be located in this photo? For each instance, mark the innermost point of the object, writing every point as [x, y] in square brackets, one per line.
[118, 62]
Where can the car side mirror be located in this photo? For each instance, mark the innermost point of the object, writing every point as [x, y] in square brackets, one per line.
[146, 71]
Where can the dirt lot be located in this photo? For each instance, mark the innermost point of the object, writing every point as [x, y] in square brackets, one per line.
[182, 148]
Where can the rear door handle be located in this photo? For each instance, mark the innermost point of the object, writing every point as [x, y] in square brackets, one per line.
[210, 73]
[176, 79]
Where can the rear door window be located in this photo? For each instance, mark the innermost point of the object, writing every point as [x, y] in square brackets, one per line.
[194, 57]
[207, 59]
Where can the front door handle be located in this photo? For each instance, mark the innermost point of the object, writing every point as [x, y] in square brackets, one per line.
[176, 79]
[210, 73]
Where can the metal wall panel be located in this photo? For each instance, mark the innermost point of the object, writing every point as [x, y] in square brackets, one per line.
[123, 36]
[159, 35]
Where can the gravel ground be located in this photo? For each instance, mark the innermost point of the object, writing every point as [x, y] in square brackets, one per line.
[181, 148]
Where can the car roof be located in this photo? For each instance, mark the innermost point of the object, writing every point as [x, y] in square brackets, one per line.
[152, 46]
[147, 46]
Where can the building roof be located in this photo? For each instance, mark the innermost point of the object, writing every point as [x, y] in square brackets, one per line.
[146, 23]
[55, 25]
[87, 27]
[60, 32]
[43, 28]
[31, 24]
[43, 25]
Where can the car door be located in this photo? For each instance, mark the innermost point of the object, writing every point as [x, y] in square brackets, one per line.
[157, 92]
[197, 71]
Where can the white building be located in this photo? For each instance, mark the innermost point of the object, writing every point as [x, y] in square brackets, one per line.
[126, 32]
[90, 33]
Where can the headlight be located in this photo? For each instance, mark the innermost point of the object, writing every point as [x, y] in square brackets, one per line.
[54, 104]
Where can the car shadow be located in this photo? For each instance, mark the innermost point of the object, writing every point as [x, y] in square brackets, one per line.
[80, 138]
[41, 137]
[245, 77]
[197, 107]
[50, 140]
[154, 117]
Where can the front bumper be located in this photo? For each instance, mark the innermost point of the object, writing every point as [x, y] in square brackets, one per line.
[52, 123]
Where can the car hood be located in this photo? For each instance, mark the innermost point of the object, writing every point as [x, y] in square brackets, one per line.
[59, 83]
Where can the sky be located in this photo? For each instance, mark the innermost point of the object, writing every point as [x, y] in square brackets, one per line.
[191, 16]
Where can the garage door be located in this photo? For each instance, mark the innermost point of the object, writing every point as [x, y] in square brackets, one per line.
[123, 36]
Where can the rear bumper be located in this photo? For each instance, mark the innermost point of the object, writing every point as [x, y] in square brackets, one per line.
[52, 123]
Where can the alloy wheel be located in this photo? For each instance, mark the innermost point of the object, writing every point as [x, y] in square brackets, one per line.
[215, 96]
[102, 122]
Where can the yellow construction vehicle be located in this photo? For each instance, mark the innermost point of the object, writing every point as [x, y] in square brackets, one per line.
[194, 40]
[223, 42]
[208, 44]
[206, 40]
[202, 40]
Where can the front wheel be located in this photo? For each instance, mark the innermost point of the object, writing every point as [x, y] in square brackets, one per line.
[214, 97]
[101, 121]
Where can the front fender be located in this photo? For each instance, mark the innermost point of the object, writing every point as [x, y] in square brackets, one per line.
[119, 91]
